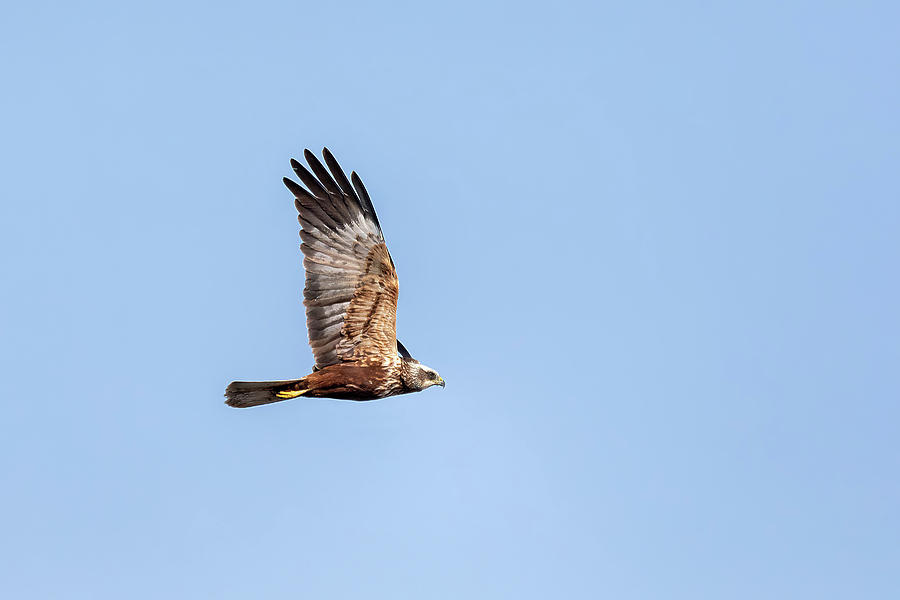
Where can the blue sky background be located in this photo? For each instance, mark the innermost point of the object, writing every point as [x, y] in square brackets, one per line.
[652, 248]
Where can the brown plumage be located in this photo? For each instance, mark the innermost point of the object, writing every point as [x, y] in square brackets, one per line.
[350, 297]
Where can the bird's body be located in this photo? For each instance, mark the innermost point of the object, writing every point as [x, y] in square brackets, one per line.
[350, 297]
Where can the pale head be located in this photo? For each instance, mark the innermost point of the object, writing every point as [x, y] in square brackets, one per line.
[417, 376]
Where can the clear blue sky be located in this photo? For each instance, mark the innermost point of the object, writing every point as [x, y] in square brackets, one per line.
[652, 247]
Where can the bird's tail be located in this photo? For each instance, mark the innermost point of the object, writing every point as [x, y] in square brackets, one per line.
[244, 394]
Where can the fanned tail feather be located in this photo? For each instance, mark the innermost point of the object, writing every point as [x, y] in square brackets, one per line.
[244, 394]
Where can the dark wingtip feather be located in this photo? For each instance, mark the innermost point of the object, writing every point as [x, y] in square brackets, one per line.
[336, 196]
[322, 173]
[403, 351]
[338, 173]
[364, 197]
[308, 179]
[295, 188]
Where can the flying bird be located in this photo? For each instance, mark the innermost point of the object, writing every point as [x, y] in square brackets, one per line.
[350, 297]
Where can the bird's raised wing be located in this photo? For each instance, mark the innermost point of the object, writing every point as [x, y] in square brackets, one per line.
[351, 285]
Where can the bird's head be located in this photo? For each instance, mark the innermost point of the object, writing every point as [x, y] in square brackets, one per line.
[418, 377]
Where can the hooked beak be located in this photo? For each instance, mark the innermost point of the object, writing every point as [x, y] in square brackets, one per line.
[441, 382]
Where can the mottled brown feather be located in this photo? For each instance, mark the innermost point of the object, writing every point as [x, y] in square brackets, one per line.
[353, 382]
[369, 333]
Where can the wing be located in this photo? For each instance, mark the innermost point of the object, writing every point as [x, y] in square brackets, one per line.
[351, 285]
[403, 351]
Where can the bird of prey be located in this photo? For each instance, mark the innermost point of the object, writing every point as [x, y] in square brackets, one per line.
[350, 298]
